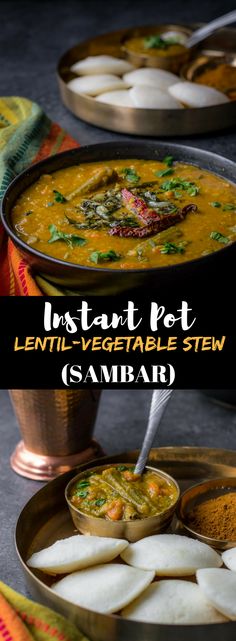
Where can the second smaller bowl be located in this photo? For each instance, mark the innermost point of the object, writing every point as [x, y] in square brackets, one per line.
[131, 530]
[194, 497]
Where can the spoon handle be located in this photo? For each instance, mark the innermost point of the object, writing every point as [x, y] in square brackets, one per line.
[208, 29]
[158, 404]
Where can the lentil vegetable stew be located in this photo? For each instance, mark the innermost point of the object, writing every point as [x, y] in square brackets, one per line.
[116, 493]
[127, 214]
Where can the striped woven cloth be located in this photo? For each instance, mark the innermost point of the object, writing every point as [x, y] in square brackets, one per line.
[27, 135]
[25, 620]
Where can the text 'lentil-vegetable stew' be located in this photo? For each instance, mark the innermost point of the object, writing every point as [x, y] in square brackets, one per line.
[127, 214]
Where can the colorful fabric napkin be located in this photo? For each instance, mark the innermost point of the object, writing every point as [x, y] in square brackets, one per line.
[27, 135]
[24, 620]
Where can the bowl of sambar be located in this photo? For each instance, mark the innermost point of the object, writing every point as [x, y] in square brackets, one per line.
[113, 501]
[115, 217]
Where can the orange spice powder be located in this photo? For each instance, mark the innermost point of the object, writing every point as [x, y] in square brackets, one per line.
[221, 77]
[215, 517]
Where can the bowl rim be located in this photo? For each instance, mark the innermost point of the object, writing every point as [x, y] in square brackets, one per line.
[159, 472]
[217, 483]
[119, 146]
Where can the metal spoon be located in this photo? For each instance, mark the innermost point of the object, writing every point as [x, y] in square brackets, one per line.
[158, 405]
[211, 27]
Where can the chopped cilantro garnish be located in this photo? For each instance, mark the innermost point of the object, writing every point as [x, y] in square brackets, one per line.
[172, 248]
[168, 160]
[155, 42]
[216, 235]
[82, 493]
[164, 172]
[178, 183]
[121, 468]
[59, 198]
[216, 204]
[130, 174]
[71, 239]
[100, 502]
[104, 257]
[229, 207]
[82, 484]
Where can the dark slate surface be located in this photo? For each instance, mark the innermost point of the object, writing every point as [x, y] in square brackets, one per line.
[190, 419]
[33, 36]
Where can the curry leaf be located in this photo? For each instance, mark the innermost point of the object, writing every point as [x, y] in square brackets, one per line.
[100, 502]
[229, 207]
[59, 198]
[216, 235]
[164, 172]
[104, 257]
[216, 204]
[130, 174]
[168, 160]
[172, 248]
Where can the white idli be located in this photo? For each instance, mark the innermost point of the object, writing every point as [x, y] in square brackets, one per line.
[105, 588]
[120, 98]
[76, 552]
[157, 78]
[151, 98]
[94, 85]
[219, 587]
[194, 95]
[94, 65]
[171, 555]
[172, 602]
[229, 559]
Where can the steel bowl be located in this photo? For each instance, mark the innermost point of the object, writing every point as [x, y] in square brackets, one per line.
[198, 494]
[169, 63]
[92, 280]
[129, 530]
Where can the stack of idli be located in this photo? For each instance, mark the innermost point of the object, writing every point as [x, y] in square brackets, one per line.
[104, 587]
[94, 582]
[99, 75]
[114, 81]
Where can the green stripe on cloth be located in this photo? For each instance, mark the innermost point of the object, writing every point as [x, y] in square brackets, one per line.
[20, 140]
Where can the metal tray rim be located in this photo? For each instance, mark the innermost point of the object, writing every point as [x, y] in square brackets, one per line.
[113, 619]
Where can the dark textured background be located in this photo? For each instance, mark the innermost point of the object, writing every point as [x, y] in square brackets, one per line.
[33, 36]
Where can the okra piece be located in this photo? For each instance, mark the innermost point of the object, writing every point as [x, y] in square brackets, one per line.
[101, 178]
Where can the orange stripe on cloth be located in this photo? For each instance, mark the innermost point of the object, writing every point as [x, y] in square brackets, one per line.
[50, 146]
[26, 285]
[11, 626]
[45, 627]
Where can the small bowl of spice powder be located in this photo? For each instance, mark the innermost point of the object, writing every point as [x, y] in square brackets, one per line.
[207, 511]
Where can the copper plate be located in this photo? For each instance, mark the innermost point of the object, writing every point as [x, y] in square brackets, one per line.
[46, 518]
[143, 122]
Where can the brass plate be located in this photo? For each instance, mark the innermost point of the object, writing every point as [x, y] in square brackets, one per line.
[143, 122]
[45, 518]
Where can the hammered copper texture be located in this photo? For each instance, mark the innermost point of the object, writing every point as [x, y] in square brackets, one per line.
[56, 422]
